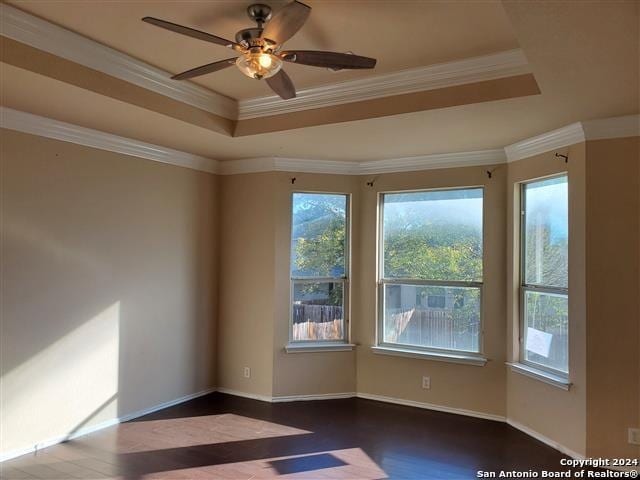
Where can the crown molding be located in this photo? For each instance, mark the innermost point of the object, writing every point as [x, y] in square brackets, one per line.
[280, 164]
[43, 35]
[598, 129]
[615, 127]
[305, 165]
[391, 165]
[559, 138]
[433, 161]
[66, 132]
[469, 70]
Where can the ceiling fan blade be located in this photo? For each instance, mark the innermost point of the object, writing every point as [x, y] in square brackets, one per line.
[286, 22]
[335, 60]
[204, 69]
[282, 85]
[191, 32]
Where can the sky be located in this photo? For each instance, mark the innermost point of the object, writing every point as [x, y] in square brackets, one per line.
[436, 207]
[547, 203]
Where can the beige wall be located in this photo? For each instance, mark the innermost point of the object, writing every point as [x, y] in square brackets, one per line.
[613, 304]
[555, 413]
[559, 415]
[308, 373]
[110, 265]
[247, 283]
[591, 418]
[467, 387]
[254, 290]
[108, 286]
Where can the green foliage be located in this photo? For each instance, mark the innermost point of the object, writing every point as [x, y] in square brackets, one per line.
[324, 252]
[546, 312]
[319, 233]
[434, 252]
[319, 248]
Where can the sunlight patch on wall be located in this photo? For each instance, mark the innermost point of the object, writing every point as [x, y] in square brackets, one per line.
[69, 386]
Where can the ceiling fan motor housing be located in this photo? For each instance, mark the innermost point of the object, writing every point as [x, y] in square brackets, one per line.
[259, 13]
[252, 37]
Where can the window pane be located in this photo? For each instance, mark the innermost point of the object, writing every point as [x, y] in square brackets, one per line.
[318, 235]
[546, 232]
[318, 311]
[432, 317]
[546, 329]
[433, 235]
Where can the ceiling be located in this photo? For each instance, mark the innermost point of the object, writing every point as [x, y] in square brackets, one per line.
[399, 34]
[584, 56]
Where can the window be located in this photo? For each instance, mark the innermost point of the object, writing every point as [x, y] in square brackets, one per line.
[436, 301]
[544, 328]
[319, 267]
[431, 270]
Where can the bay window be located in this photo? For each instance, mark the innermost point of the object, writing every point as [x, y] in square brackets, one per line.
[319, 268]
[430, 271]
[544, 312]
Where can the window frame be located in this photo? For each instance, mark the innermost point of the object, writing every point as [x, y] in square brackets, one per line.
[344, 280]
[381, 282]
[524, 287]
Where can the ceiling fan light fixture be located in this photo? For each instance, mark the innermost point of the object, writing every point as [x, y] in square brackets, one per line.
[260, 48]
[259, 65]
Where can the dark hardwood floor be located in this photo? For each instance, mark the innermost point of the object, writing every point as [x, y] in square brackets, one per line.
[222, 436]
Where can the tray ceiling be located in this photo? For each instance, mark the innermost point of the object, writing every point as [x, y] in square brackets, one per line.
[400, 34]
[580, 75]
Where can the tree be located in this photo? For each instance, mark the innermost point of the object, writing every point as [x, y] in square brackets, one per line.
[433, 252]
[319, 243]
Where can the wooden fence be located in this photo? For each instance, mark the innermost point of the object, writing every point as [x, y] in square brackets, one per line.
[432, 328]
[317, 322]
[426, 327]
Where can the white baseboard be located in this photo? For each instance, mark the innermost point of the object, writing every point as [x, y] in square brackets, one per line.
[432, 406]
[322, 396]
[57, 439]
[238, 393]
[409, 403]
[287, 398]
[291, 398]
[368, 396]
[99, 426]
[170, 403]
[544, 439]
[557, 446]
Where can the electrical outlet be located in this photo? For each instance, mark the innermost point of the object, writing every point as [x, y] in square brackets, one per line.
[247, 372]
[634, 436]
[426, 382]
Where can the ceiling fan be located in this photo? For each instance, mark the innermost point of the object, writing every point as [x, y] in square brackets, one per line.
[260, 48]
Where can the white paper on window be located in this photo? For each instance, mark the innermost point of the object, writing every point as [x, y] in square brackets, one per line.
[539, 342]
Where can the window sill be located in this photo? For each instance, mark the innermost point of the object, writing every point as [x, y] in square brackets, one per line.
[439, 357]
[311, 347]
[541, 375]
